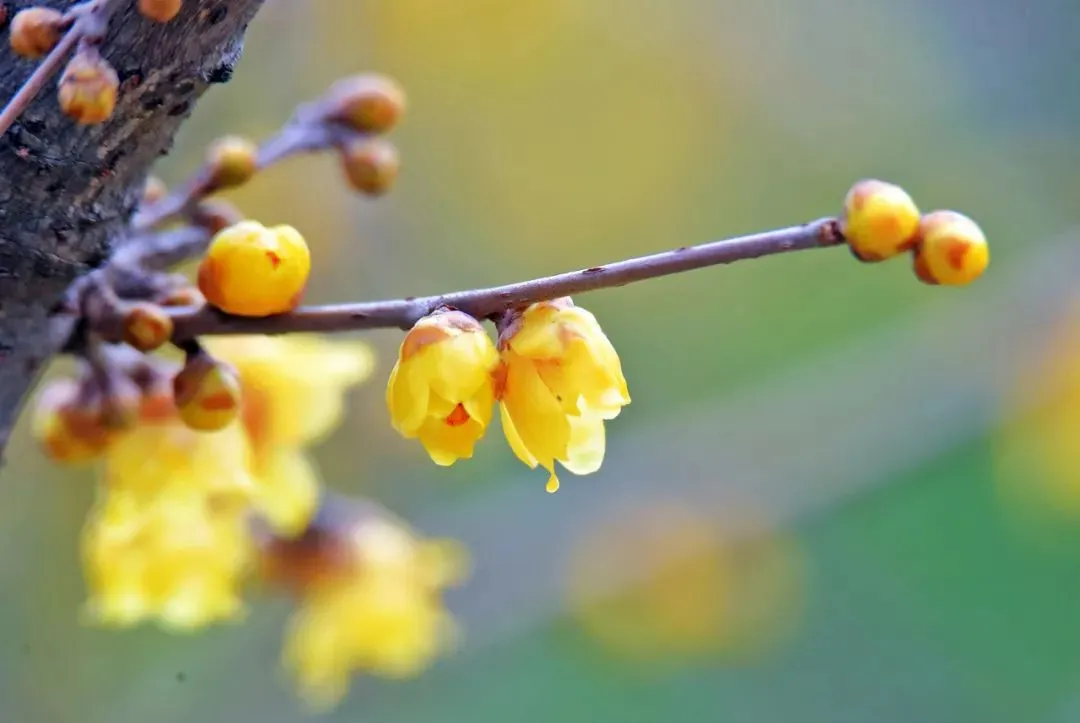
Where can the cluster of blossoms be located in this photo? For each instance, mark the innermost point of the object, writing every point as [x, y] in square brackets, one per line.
[554, 374]
[185, 515]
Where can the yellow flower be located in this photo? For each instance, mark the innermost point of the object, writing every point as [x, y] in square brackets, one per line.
[175, 560]
[376, 610]
[293, 392]
[167, 539]
[441, 390]
[560, 379]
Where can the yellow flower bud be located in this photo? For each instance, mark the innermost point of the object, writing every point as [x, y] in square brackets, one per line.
[67, 426]
[88, 89]
[441, 390]
[147, 327]
[160, 11]
[560, 379]
[880, 220]
[35, 31]
[231, 161]
[370, 165]
[207, 393]
[952, 251]
[251, 270]
[367, 103]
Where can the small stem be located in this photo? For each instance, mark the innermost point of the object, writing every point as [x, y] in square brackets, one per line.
[488, 302]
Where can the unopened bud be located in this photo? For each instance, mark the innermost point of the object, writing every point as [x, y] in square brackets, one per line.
[370, 165]
[35, 31]
[147, 326]
[67, 424]
[367, 103]
[160, 11]
[207, 393]
[88, 89]
[231, 161]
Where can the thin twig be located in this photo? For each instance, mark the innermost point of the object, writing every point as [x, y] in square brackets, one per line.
[299, 135]
[486, 303]
[45, 70]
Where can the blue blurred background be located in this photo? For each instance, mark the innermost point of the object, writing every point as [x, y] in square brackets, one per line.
[839, 495]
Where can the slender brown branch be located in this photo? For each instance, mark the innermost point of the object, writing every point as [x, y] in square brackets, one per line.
[45, 70]
[486, 303]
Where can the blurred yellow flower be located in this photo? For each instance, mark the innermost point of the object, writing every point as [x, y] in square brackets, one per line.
[167, 538]
[374, 606]
[293, 395]
[1036, 451]
[441, 390]
[662, 581]
[560, 379]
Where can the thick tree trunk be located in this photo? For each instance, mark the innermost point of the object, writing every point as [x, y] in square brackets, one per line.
[67, 190]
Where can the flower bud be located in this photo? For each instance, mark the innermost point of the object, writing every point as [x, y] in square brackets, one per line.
[68, 425]
[35, 31]
[146, 326]
[367, 103]
[251, 270]
[207, 393]
[952, 249]
[231, 161]
[879, 221]
[160, 11]
[370, 165]
[88, 89]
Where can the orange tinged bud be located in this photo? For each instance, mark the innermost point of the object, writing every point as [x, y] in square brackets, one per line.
[251, 270]
[67, 425]
[88, 89]
[367, 103]
[371, 165]
[207, 393]
[231, 161]
[147, 326]
[880, 220]
[952, 250]
[160, 11]
[35, 31]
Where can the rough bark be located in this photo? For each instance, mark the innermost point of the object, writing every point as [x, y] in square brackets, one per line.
[67, 190]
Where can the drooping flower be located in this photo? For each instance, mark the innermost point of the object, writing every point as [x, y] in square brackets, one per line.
[441, 390]
[293, 391]
[369, 593]
[559, 381]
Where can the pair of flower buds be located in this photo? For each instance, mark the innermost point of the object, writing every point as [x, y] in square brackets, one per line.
[554, 374]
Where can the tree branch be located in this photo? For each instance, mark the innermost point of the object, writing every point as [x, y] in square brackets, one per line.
[67, 191]
[488, 302]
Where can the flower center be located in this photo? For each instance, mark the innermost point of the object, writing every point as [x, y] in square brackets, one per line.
[457, 417]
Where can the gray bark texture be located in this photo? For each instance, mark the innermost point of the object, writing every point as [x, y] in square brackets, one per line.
[66, 190]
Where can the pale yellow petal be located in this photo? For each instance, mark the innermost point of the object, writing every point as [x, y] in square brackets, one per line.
[447, 444]
[514, 439]
[537, 415]
[585, 452]
[287, 490]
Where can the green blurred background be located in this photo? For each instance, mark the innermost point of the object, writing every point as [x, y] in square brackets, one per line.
[838, 495]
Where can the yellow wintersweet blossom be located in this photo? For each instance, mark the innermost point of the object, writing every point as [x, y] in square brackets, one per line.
[293, 390]
[442, 390]
[560, 379]
[376, 610]
[167, 538]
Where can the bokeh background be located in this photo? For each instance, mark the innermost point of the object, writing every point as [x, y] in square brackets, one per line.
[838, 495]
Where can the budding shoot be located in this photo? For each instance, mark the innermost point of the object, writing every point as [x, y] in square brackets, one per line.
[207, 393]
[370, 165]
[880, 220]
[952, 250]
[231, 162]
[367, 103]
